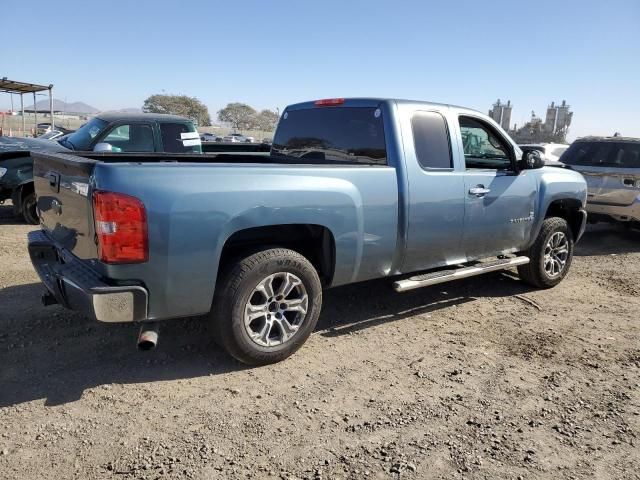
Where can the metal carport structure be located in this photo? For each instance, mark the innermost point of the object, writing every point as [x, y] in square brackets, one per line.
[20, 88]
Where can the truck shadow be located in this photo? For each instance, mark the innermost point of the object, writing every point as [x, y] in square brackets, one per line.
[7, 216]
[58, 355]
[608, 239]
[357, 307]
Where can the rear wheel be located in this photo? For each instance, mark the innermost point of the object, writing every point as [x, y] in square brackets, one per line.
[550, 255]
[266, 306]
[28, 208]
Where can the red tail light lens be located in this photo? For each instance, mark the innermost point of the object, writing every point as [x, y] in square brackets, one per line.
[327, 102]
[121, 228]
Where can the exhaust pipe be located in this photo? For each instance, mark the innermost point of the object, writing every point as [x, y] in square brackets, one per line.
[148, 337]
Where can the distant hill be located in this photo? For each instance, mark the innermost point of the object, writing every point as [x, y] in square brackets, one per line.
[60, 106]
[125, 110]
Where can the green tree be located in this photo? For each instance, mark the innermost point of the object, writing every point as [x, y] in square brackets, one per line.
[240, 115]
[182, 105]
[267, 120]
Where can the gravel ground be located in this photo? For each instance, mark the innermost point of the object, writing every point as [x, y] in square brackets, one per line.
[484, 378]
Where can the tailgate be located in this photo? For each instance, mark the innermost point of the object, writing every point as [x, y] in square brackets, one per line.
[62, 184]
[611, 186]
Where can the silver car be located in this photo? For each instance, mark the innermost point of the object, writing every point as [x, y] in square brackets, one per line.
[611, 167]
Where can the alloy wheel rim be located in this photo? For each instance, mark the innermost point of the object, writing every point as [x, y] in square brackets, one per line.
[276, 309]
[556, 253]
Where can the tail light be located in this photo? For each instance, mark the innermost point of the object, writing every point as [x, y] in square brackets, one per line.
[327, 102]
[121, 228]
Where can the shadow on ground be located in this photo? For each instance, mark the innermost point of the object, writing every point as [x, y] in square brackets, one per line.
[608, 239]
[56, 354]
[7, 216]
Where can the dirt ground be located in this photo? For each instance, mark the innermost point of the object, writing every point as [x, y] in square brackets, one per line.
[480, 379]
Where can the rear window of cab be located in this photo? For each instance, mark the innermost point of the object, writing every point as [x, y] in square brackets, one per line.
[342, 135]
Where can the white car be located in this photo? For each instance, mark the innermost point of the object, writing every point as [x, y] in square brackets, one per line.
[233, 137]
[210, 137]
[551, 152]
[237, 137]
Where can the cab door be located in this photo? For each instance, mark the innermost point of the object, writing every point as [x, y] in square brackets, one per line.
[435, 213]
[499, 201]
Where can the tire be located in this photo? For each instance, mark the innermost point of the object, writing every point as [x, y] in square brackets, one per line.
[28, 209]
[546, 268]
[253, 287]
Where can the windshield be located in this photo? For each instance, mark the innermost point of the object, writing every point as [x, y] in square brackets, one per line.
[603, 154]
[81, 139]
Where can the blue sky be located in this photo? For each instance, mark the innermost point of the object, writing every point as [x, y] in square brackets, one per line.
[272, 53]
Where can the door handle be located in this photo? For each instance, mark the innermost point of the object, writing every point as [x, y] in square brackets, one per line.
[54, 181]
[479, 191]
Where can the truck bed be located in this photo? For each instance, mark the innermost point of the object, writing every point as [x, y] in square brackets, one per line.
[194, 203]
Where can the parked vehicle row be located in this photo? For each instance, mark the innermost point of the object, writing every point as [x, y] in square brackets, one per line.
[237, 137]
[231, 138]
[351, 190]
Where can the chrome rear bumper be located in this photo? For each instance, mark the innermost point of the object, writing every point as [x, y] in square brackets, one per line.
[76, 286]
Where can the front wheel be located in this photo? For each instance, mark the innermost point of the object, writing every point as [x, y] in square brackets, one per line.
[550, 255]
[266, 306]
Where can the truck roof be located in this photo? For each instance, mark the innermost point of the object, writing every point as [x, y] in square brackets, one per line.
[594, 138]
[111, 116]
[373, 101]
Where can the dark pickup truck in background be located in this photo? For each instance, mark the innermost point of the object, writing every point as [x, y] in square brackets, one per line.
[108, 132]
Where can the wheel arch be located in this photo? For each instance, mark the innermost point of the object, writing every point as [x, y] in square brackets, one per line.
[315, 242]
[19, 192]
[571, 210]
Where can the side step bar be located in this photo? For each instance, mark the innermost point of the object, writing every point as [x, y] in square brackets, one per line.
[457, 273]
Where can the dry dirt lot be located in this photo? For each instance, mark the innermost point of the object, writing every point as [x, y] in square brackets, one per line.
[485, 378]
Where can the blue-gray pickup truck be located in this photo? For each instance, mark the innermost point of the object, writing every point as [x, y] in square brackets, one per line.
[352, 190]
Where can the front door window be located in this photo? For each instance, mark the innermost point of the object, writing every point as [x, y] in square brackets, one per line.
[483, 148]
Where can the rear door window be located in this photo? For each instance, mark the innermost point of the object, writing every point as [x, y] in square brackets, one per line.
[180, 138]
[603, 154]
[431, 140]
[351, 135]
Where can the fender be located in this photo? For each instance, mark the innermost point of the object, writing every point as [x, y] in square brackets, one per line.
[557, 185]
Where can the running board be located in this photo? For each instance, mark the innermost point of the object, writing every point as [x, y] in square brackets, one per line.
[457, 273]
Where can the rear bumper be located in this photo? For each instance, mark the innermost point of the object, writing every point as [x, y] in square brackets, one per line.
[621, 213]
[77, 287]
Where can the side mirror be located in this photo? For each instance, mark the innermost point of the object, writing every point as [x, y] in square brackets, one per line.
[531, 159]
[102, 147]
